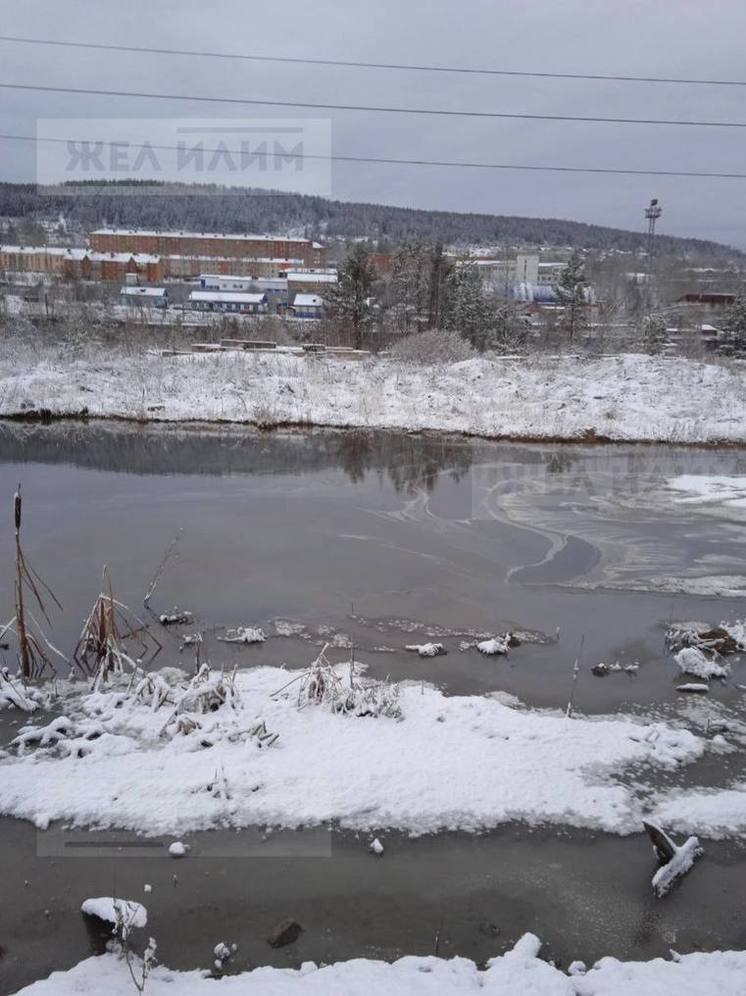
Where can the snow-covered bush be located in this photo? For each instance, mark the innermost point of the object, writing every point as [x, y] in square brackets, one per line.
[339, 689]
[691, 660]
[426, 649]
[497, 645]
[434, 346]
[244, 634]
[16, 694]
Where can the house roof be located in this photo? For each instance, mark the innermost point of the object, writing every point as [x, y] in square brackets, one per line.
[227, 297]
[144, 291]
[79, 253]
[155, 233]
[307, 301]
[311, 278]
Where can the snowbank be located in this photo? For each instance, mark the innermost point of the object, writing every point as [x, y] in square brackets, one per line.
[623, 397]
[519, 972]
[449, 762]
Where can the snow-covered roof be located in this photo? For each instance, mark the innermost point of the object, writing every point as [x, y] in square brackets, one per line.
[232, 260]
[155, 233]
[307, 301]
[77, 253]
[143, 291]
[227, 297]
[30, 250]
[119, 257]
[312, 278]
[272, 283]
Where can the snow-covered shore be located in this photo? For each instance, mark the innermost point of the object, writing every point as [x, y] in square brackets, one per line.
[147, 757]
[519, 972]
[628, 397]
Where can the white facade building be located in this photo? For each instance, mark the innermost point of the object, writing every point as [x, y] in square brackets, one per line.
[228, 302]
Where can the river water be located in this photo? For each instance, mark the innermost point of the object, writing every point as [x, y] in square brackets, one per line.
[369, 542]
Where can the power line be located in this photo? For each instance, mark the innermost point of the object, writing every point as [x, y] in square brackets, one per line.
[369, 109]
[350, 64]
[615, 171]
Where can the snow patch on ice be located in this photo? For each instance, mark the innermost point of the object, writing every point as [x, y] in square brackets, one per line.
[205, 762]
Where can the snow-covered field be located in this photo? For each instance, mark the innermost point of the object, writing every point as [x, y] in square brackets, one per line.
[519, 972]
[169, 754]
[623, 397]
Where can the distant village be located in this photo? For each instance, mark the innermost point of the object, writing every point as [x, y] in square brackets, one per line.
[200, 278]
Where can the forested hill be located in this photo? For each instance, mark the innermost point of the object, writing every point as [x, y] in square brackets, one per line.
[217, 209]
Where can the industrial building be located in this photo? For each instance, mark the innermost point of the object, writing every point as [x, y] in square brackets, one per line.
[501, 273]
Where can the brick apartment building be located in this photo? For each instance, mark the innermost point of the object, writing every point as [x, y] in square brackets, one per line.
[80, 264]
[206, 244]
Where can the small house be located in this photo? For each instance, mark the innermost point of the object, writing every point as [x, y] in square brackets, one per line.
[144, 297]
[307, 306]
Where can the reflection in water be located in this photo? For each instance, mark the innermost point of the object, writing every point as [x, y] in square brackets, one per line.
[603, 513]
[410, 461]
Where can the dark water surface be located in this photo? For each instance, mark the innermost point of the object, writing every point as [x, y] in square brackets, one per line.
[379, 540]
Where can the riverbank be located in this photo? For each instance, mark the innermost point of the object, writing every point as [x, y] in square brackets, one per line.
[626, 397]
[519, 970]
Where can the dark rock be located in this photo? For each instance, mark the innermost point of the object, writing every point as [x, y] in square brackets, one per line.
[513, 640]
[286, 932]
[489, 929]
[600, 670]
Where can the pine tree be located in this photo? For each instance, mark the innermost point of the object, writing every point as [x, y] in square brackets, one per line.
[477, 316]
[350, 298]
[440, 269]
[571, 292]
[509, 330]
[653, 334]
[734, 324]
[410, 286]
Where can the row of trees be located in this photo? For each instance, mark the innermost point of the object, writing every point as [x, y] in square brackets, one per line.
[429, 290]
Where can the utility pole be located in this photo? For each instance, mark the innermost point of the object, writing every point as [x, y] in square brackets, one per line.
[652, 212]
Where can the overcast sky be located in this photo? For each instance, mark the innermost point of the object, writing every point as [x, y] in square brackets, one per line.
[688, 38]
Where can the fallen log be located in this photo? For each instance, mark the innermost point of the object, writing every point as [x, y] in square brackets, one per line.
[674, 860]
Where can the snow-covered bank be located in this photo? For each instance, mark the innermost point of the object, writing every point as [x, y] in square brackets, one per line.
[519, 972]
[163, 755]
[625, 397]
